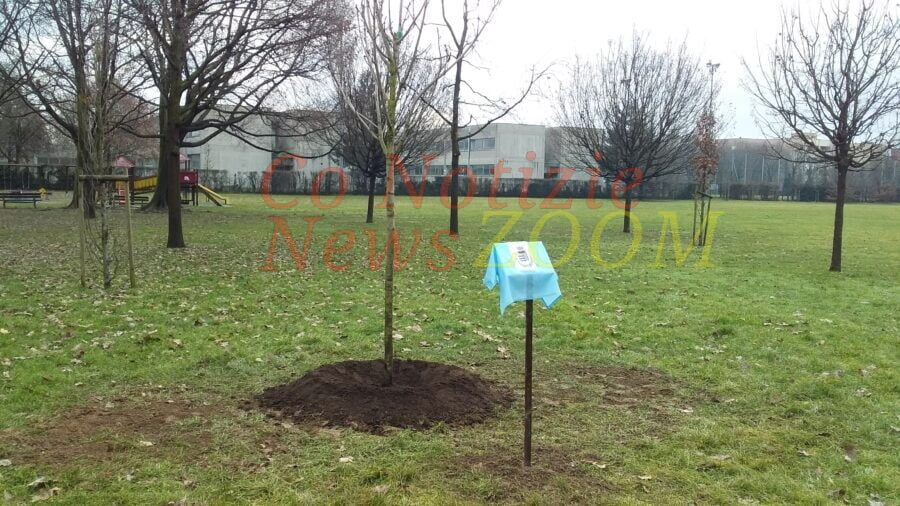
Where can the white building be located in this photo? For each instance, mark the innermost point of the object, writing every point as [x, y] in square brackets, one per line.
[522, 149]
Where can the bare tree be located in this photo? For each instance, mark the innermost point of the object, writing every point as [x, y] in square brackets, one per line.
[393, 50]
[72, 70]
[706, 159]
[463, 40]
[630, 115]
[22, 132]
[216, 63]
[361, 150]
[12, 19]
[832, 75]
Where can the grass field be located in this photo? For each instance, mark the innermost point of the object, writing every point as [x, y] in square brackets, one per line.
[761, 378]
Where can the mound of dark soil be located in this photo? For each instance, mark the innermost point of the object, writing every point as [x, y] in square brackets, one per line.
[351, 394]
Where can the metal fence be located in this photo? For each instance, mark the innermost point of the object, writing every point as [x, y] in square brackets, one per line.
[35, 177]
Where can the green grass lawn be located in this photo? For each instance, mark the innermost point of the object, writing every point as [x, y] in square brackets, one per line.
[760, 378]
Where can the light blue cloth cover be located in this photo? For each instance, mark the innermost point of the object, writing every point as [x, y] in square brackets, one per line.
[518, 282]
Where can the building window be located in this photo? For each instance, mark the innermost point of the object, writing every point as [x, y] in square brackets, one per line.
[194, 162]
[464, 145]
[286, 164]
[483, 170]
[485, 144]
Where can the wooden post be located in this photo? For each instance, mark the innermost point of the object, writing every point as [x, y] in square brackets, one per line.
[529, 321]
[694, 230]
[82, 208]
[706, 224]
[128, 224]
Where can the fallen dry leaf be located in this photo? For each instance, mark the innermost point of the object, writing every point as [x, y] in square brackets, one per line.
[45, 494]
[849, 453]
[39, 482]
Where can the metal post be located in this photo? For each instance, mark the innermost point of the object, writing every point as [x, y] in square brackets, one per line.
[529, 321]
[81, 209]
[128, 224]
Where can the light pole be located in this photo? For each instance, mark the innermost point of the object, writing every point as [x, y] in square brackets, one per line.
[712, 67]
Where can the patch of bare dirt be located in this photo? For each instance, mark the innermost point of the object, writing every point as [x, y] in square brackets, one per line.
[550, 465]
[353, 394]
[109, 430]
[632, 387]
[627, 387]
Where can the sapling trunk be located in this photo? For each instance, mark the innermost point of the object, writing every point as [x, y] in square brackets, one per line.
[390, 135]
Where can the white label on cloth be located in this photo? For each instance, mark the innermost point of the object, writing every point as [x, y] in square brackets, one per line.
[521, 254]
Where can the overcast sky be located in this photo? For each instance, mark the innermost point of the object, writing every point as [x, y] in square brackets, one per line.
[529, 32]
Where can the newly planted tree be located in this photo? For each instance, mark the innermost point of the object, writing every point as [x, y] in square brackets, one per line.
[829, 89]
[706, 160]
[391, 43]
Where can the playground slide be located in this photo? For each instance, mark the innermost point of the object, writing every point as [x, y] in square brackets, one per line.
[213, 196]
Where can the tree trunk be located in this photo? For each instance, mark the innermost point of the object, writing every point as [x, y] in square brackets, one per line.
[837, 243]
[82, 149]
[370, 212]
[171, 140]
[158, 201]
[627, 226]
[173, 189]
[454, 146]
[76, 189]
[172, 132]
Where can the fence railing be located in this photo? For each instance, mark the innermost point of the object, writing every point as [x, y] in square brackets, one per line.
[62, 178]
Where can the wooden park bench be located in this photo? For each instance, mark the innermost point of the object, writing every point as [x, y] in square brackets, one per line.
[136, 200]
[20, 197]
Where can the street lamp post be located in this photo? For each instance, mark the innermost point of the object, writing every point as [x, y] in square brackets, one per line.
[713, 67]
